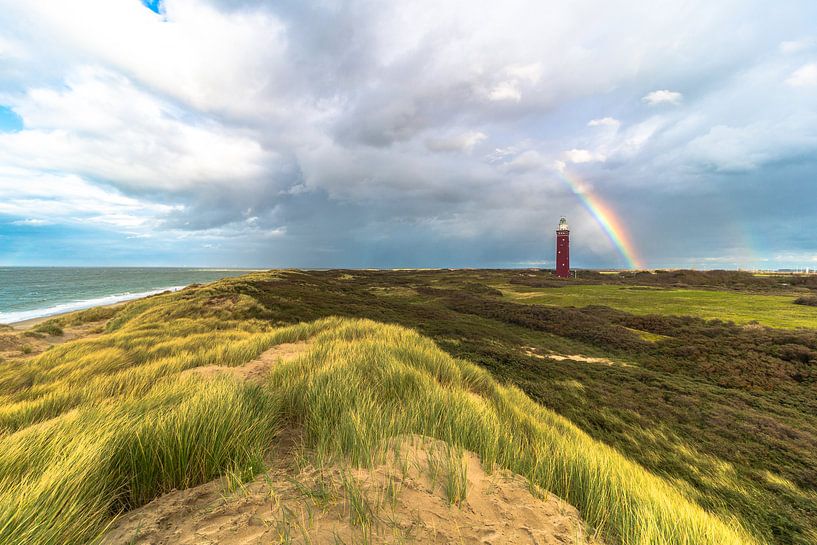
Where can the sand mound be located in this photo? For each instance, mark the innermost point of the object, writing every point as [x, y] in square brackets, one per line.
[10, 341]
[19, 342]
[258, 368]
[416, 497]
[426, 492]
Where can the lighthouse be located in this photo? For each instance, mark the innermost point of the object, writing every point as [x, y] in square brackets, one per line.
[563, 249]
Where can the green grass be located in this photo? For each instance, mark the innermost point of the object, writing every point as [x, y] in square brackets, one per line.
[124, 423]
[98, 425]
[660, 451]
[739, 307]
[49, 328]
[456, 476]
[61, 481]
[698, 399]
[365, 383]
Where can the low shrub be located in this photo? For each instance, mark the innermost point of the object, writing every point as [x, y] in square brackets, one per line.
[49, 328]
[807, 300]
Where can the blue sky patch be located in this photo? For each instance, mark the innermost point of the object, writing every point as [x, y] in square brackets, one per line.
[9, 120]
[153, 5]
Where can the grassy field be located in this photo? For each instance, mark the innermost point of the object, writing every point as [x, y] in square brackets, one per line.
[691, 432]
[741, 308]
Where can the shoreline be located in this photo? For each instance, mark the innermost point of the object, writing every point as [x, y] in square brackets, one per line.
[25, 325]
[78, 306]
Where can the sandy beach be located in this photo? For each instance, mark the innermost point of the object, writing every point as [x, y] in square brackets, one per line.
[24, 325]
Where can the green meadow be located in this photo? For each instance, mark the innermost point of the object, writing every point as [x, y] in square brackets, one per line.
[660, 429]
[739, 307]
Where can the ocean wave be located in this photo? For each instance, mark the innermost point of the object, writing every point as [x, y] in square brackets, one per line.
[62, 308]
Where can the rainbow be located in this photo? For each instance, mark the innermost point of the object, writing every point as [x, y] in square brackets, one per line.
[605, 217]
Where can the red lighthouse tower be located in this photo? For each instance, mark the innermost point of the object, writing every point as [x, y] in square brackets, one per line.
[563, 250]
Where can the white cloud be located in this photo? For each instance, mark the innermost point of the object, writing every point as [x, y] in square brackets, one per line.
[605, 122]
[515, 78]
[632, 141]
[663, 96]
[101, 126]
[32, 222]
[500, 155]
[790, 47]
[51, 198]
[583, 156]
[11, 49]
[531, 73]
[805, 76]
[505, 90]
[526, 161]
[216, 61]
[461, 142]
[748, 147]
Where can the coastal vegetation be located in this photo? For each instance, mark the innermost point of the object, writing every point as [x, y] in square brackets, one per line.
[726, 305]
[660, 428]
[808, 300]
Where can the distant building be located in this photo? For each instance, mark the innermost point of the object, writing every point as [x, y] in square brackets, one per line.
[563, 249]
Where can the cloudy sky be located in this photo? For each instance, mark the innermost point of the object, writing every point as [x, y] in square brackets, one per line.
[408, 134]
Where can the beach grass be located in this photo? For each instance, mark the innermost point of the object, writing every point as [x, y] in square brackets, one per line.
[97, 426]
[365, 383]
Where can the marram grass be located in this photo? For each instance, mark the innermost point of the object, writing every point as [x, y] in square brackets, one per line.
[64, 479]
[101, 425]
[364, 383]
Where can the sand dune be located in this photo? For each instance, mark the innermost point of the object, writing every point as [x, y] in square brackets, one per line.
[401, 501]
[407, 499]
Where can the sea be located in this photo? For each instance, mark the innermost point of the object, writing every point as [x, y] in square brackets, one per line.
[36, 292]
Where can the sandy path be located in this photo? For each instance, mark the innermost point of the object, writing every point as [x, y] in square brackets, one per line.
[258, 368]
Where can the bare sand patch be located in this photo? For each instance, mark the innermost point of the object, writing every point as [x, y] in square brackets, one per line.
[401, 501]
[258, 368]
[21, 342]
[393, 291]
[579, 357]
[533, 352]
